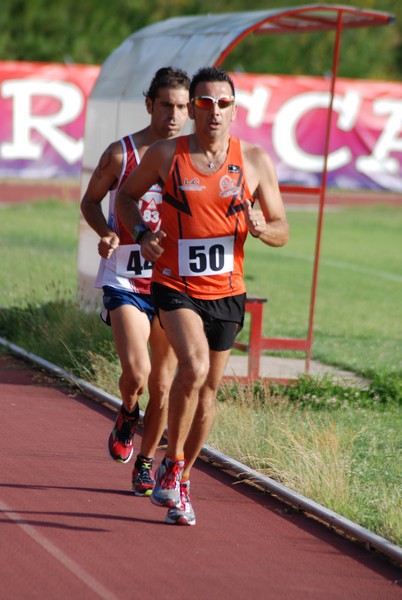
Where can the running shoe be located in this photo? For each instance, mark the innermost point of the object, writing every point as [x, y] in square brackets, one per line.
[142, 477]
[184, 513]
[167, 483]
[120, 441]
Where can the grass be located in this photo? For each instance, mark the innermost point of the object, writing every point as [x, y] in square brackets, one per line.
[39, 253]
[342, 453]
[358, 320]
[358, 316]
[337, 445]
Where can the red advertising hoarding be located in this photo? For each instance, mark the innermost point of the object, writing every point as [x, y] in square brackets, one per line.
[43, 107]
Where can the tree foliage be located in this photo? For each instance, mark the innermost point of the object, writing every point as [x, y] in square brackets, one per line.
[88, 31]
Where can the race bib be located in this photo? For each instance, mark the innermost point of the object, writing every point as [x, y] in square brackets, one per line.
[130, 262]
[210, 256]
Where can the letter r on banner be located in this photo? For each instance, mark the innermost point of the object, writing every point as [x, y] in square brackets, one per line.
[23, 147]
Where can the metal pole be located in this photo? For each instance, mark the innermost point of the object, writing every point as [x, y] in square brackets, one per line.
[335, 62]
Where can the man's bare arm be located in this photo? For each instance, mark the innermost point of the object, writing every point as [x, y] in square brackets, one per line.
[269, 222]
[103, 179]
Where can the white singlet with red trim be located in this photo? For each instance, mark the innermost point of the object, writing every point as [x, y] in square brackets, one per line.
[126, 269]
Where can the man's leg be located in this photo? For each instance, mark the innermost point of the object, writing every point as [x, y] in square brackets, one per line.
[130, 329]
[164, 362]
[185, 331]
[206, 409]
[183, 514]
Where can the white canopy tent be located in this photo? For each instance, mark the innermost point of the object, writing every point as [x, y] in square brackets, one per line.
[116, 105]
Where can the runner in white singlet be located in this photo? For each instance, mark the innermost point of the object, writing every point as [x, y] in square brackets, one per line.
[124, 276]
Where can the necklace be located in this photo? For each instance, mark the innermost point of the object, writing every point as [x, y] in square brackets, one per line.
[212, 164]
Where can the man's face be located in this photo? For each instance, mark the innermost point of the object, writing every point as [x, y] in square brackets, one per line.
[213, 121]
[168, 112]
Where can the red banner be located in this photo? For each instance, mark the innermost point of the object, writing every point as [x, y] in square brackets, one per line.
[288, 117]
[43, 108]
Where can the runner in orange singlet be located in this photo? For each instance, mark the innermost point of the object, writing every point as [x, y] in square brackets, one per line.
[210, 181]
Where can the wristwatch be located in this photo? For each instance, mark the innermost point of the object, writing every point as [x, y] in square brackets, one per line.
[139, 232]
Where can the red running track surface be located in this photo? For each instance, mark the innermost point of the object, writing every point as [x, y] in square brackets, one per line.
[71, 528]
[25, 190]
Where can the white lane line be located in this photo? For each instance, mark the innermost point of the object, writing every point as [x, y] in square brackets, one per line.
[345, 266]
[58, 554]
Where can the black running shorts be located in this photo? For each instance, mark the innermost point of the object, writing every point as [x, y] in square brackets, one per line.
[223, 318]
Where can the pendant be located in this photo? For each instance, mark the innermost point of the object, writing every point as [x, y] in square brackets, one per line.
[211, 165]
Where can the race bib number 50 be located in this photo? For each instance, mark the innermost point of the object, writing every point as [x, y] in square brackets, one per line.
[131, 263]
[210, 256]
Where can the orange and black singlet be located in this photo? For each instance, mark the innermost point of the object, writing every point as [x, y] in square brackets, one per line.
[203, 218]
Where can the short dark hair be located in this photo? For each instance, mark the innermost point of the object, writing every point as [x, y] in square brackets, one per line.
[210, 74]
[167, 77]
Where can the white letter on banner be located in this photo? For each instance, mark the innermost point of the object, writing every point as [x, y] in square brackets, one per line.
[380, 161]
[256, 103]
[284, 129]
[72, 102]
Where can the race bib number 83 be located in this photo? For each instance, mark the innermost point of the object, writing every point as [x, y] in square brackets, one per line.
[210, 256]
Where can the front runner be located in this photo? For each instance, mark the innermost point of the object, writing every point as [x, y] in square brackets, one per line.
[210, 182]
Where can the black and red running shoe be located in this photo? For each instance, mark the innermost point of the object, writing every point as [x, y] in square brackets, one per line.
[120, 443]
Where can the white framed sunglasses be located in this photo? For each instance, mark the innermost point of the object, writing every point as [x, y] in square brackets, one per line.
[207, 102]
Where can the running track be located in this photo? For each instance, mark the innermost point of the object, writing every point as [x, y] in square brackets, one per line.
[71, 529]
[19, 190]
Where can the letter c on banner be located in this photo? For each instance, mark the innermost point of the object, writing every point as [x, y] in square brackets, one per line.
[284, 138]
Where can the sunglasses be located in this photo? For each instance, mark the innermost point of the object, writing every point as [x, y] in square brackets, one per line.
[207, 102]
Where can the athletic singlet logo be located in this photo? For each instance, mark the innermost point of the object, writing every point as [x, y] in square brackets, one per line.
[192, 185]
[228, 187]
[150, 205]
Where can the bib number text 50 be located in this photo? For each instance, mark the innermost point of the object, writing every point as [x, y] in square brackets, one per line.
[210, 256]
